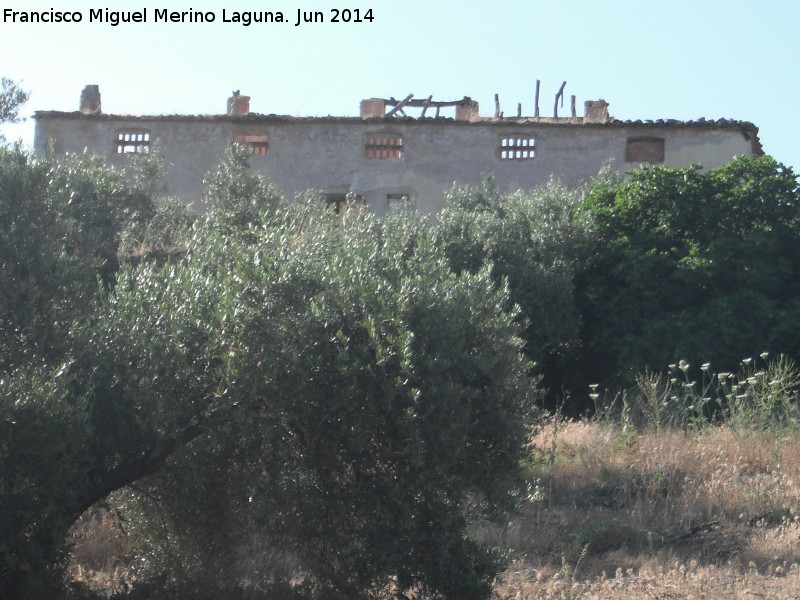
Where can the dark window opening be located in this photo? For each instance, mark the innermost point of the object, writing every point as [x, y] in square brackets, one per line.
[645, 149]
[340, 203]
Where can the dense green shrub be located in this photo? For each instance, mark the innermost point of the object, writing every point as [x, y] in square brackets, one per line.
[703, 266]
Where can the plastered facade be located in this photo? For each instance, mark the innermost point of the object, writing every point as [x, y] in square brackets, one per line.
[337, 155]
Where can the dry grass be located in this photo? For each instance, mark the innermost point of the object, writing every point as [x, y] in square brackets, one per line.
[101, 556]
[654, 516]
[672, 515]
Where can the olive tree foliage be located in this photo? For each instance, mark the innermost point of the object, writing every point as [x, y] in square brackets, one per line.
[62, 226]
[12, 97]
[532, 241]
[367, 390]
[159, 233]
[691, 264]
[329, 385]
[44, 451]
[237, 198]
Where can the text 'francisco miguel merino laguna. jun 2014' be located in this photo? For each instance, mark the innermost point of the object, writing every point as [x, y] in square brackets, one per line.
[164, 15]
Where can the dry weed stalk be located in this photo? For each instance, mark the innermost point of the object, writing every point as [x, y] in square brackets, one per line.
[670, 513]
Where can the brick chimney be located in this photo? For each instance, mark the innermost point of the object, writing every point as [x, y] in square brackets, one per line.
[373, 107]
[467, 110]
[238, 104]
[90, 100]
[596, 111]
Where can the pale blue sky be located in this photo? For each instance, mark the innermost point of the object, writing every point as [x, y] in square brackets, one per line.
[680, 59]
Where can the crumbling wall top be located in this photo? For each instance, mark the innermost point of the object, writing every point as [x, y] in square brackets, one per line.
[596, 111]
[238, 104]
[90, 100]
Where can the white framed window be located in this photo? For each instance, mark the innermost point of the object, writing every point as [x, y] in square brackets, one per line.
[132, 142]
[517, 147]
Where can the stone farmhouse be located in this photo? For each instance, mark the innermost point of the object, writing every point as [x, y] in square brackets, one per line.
[387, 156]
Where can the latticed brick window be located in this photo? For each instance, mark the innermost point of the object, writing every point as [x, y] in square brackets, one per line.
[133, 142]
[517, 147]
[384, 145]
[259, 142]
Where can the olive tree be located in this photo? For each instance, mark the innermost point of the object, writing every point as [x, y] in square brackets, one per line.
[12, 97]
[62, 226]
[330, 384]
[533, 241]
[370, 392]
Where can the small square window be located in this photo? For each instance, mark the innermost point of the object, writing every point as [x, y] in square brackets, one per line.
[341, 203]
[517, 147]
[133, 142]
[258, 142]
[384, 145]
[398, 201]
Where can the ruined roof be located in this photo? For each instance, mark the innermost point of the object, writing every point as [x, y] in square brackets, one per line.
[612, 122]
[746, 127]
